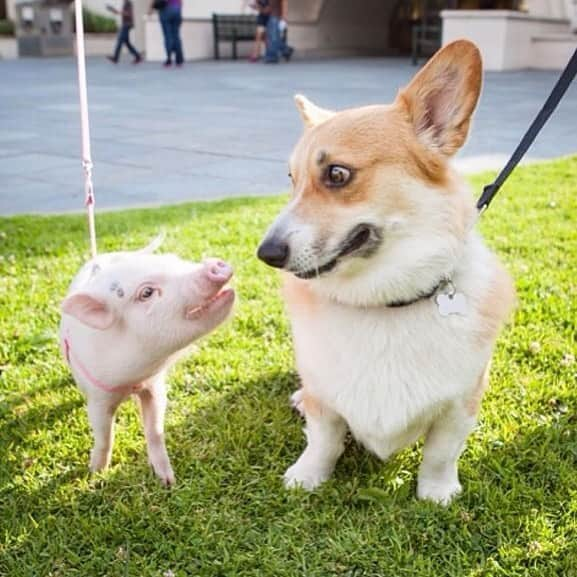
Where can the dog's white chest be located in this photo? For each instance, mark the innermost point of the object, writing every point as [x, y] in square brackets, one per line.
[387, 372]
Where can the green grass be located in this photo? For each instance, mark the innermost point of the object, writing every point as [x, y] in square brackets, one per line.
[231, 433]
[95, 23]
[6, 28]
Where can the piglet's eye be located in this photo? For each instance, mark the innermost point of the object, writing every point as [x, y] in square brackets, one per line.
[145, 293]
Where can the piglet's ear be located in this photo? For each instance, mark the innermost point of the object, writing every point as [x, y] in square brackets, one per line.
[154, 245]
[88, 310]
[442, 97]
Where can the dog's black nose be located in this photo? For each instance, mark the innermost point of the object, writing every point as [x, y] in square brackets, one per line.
[274, 252]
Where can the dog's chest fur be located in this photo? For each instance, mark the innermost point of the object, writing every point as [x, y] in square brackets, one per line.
[388, 371]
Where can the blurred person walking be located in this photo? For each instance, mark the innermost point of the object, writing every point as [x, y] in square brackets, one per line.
[123, 39]
[170, 15]
[276, 45]
[263, 9]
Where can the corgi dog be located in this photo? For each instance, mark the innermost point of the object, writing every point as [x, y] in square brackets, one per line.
[395, 303]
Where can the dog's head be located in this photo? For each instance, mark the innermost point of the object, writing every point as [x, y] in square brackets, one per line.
[376, 213]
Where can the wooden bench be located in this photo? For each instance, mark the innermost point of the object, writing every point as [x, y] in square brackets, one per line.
[232, 28]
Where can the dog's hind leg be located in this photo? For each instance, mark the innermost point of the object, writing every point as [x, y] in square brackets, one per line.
[325, 433]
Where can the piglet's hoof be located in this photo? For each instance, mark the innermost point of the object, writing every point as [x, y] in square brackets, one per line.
[165, 473]
[99, 460]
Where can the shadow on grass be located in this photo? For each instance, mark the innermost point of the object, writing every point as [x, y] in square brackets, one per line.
[230, 451]
[23, 414]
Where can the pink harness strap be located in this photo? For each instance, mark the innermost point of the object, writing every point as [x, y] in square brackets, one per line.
[93, 380]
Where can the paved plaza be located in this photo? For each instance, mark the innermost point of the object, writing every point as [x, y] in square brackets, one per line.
[216, 129]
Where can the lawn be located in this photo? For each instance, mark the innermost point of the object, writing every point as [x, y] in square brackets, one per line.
[231, 433]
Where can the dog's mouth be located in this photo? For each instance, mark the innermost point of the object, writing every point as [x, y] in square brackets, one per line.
[363, 240]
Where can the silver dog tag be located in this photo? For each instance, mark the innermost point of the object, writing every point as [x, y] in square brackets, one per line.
[452, 304]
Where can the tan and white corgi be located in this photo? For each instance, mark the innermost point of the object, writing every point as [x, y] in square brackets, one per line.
[394, 300]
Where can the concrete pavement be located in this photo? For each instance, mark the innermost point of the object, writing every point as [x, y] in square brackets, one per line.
[216, 129]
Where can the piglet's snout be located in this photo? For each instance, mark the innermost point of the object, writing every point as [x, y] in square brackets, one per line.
[208, 279]
[217, 271]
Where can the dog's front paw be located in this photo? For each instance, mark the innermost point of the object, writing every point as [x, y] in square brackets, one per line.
[305, 476]
[438, 492]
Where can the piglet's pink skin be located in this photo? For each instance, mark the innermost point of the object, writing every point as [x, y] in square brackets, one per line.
[126, 319]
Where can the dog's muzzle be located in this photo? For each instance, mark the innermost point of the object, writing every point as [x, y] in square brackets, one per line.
[362, 241]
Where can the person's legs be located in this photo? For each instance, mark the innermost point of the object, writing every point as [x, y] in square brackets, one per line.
[130, 47]
[284, 48]
[272, 40]
[176, 21]
[256, 52]
[120, 40]
[166, 33]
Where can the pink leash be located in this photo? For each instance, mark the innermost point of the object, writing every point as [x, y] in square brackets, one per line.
[85, 125]
[88, 188]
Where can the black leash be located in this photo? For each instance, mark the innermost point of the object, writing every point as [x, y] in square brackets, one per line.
[550, 105]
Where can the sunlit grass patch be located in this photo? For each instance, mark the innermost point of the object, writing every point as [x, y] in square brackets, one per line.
[231, 433]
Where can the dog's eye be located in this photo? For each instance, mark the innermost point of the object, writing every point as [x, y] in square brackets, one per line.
[337, 175]
[146, 293]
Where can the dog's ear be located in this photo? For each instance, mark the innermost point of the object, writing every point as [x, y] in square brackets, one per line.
[311, 113]
[442, 96]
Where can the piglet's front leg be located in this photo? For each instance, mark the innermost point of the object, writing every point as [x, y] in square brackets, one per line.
[101, 412]
[153, 407]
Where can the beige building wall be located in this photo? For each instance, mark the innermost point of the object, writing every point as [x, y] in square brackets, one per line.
[334, 27]
[196, 31]
[505, 38]
[548, 8]
[205, 8]
[319, 27]
[541, 37]
[339, 26]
